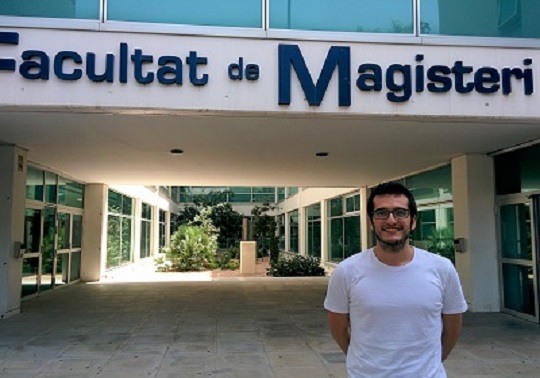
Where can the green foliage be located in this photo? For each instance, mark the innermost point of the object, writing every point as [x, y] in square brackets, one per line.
[296, 266]
[442, 243]
[223, 216]
[265, 229]
[225, 261]
[235, 251]
[192, 248]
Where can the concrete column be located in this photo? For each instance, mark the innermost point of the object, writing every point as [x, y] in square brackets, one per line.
[154, 238]
[302, 231]
[167, 227]
[474, 220]
[12, 204]
[248, 257]
[324, 232]
[94, 255]
[287, 233]
[137, 215]
[365, 229]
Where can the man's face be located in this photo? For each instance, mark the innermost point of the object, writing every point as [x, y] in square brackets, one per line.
[393, 231]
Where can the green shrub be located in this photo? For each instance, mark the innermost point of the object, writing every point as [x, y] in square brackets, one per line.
[225, 261]
[296, 266]
[192, 248]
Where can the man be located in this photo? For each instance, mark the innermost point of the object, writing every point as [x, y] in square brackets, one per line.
[395, 310]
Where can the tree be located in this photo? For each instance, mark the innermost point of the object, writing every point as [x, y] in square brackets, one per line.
[265, 229]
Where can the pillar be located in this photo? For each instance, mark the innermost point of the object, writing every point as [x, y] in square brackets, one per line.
[248, 257]
[475, 221]
[94, 255]
[12, 205]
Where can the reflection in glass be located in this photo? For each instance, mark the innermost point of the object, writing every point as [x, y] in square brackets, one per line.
[368, 16]
[336, 239]
[516, 232]
[351, 236]
[63, 230]
[51, 187]
[313, 228]
[70, 193]
[236, 13]
[519, 288]
[482, 18]
[75, 268]
[47, 263]
[62, 271]
[30, 270]
[76, 237]
[113, 241]
[126, 240]
[32, 230]
[34, 184]
[74, 9]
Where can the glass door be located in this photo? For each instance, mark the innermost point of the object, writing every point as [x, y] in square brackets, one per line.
[518, 259]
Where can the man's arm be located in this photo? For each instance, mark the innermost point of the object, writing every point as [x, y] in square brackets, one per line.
[339, 327]
[450, 334]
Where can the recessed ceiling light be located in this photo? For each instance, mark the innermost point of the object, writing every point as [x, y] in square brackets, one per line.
[321, 154]
[177, 151]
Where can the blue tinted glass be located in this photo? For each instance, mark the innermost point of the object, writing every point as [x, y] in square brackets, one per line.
[78, 9]
[238, 13]
[483, 18]
[368, 16]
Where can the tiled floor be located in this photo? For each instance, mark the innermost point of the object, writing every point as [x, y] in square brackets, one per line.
[219, 327]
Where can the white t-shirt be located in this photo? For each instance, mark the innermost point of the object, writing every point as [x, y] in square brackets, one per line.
[395, 313]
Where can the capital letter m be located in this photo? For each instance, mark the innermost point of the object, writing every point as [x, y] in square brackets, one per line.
[290, 56]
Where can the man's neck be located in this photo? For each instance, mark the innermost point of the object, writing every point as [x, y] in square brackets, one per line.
[394, 257]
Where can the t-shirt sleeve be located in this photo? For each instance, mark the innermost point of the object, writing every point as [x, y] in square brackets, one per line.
[454, 300]
[337, 295]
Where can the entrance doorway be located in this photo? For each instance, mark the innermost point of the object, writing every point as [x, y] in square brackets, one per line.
[519, 222]
[53, 239]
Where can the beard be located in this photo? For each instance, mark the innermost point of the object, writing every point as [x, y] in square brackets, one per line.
[393, 245]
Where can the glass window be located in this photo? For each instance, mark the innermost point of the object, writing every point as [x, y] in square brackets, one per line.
[483, 18]
[162, 228]
[281, 231]
[435, 230]
[62, 265]
[75, 268]
[77, 9]
[313, 228]
[32, 230]
[431, 186]
[293, 231]
[236, 13]
[516, 231]
[114, 241]
[76, 241]
[352, 204]
[51, 187]
[63, 230]
[34, 184]
[30, 274]
[70, 193]
[291, 191]
[335, 207]
[146, 224]
[280, 194]
[367, 16]
[519, 288]
[518, 171]
[336, 239]
[351, 236]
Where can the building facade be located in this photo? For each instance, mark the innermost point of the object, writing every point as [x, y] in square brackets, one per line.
[103, 101]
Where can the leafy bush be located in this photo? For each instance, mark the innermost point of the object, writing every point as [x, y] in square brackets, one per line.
[225, 261]
[192, 248]
[296, 266]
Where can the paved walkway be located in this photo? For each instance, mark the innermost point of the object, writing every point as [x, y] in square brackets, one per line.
[234, 327]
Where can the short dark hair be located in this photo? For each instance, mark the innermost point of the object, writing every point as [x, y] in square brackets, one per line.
[391, 187]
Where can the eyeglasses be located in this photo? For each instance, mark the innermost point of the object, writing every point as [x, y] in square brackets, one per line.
[398, 213]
